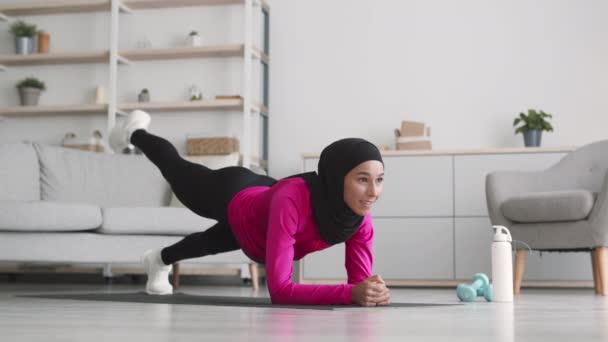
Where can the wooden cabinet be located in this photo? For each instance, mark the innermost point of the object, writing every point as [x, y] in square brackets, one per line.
[431, 224]
[395, 234]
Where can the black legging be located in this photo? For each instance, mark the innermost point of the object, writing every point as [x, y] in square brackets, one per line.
[204, 191]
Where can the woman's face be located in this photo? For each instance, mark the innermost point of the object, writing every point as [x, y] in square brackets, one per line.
[363, 186]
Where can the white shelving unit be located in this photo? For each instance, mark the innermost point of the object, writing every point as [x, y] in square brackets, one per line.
[251, 112]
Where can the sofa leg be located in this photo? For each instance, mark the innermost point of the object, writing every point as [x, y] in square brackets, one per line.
[176, 275]
[597, 282]
[602, 269]
[253, 271]
[520, 267]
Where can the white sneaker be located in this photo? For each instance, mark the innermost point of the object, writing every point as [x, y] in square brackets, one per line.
[158, 274]
[120, 137]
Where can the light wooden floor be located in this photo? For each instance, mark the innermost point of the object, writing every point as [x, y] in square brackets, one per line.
[537, 315]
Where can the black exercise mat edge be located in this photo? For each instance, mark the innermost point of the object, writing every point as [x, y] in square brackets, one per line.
[188, 299]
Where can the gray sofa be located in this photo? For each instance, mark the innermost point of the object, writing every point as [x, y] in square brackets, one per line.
[61, 205]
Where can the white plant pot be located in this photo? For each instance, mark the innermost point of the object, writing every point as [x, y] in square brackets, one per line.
[24, 45]
[29, 96]
[194, 41]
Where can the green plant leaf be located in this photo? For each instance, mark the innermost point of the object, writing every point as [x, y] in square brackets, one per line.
[31, 82]
[534, 120]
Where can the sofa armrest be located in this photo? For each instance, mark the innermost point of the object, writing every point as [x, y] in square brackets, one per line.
[598, 218]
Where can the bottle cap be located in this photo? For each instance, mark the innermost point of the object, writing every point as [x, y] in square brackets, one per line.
[501, 233]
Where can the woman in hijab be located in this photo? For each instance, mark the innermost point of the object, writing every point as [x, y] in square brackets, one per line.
[273, 222]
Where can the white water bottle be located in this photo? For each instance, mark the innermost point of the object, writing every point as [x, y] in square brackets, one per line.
[502, 265]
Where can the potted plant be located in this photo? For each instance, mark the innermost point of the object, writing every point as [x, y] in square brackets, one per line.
[194, 39]
[144, 95]
[534, 123]
[195, 93]
[29, 91]
[24, 37]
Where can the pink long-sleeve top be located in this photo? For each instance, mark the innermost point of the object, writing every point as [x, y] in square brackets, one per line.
[275, 226]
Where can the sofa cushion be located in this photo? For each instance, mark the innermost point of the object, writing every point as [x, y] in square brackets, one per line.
[155, 221]
[109, 180]
[48, 216]
[552, 206]
[19, 173]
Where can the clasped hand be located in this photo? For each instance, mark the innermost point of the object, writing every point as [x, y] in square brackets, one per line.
[371, 292]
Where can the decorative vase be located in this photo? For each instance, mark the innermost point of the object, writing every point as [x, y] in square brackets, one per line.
[29, 96]
[24, 45]
[532, 138]
[44, 41]
[100, 95]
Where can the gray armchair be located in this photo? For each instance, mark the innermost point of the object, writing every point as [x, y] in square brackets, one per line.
[562, 208]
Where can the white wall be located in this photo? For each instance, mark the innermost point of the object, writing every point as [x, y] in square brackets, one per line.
[357, 68]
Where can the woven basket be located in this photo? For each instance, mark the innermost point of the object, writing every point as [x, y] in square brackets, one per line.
[213, 145]
[85, 147]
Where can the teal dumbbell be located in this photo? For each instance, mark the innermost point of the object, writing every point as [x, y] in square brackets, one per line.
[480, 287]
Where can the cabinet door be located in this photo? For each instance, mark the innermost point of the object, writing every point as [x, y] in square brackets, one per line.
[473, 254]
[414, 248]
[413, 186]
[473, 238]
[404, 249]
[326, 264]
[470, 176]
[416, 186]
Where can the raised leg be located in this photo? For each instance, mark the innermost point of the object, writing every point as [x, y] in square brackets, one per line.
[204, 191]
[520, 267]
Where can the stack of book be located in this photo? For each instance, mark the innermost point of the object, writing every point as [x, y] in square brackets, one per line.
[413, 136]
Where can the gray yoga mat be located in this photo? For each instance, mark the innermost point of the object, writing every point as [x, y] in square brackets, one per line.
[183, 298]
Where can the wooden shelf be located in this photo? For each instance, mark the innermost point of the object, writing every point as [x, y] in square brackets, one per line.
[58, 7]
[155, 4]
[126, 56]
[217, 51]
[190, 106]
[85, 6]
[203, 105]
[58, 58]
[184, 52]
[56, 109]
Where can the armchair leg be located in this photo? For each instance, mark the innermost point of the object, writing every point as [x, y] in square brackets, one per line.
[602, 269]
[597, 282]
[520, 266]
[253, 271]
